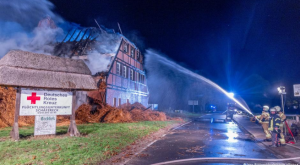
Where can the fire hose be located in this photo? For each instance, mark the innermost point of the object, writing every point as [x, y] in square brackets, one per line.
[287, 126]
[218, 159]
[254, 117]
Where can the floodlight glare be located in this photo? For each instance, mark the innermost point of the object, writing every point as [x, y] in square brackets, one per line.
[230, 94]
[281, 90]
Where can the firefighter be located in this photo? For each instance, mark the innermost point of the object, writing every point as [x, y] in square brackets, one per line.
[282, 120]
[274, 123]
[263, 119]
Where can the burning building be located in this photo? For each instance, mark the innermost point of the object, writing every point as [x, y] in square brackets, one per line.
[115, 62]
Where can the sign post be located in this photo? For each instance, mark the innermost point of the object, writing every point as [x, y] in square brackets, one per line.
[15, 130]
[45, 105]
[73, 131]
[193, 103]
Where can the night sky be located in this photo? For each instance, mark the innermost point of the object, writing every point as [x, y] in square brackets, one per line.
[248, 47]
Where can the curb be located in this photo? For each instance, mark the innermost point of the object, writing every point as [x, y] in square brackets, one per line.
[179, 126]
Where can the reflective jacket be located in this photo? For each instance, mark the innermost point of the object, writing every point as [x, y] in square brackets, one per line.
[282, 117]
[264, 117]
[274, 122]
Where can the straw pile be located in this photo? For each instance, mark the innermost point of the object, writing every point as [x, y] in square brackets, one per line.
[7, 109]
[124, 113]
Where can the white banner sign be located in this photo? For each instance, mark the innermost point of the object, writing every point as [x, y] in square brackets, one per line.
[45, 125]
[45, 103]
[296, 90]
[193, 102]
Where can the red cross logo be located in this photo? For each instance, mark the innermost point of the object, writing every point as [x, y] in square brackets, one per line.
[33, 98]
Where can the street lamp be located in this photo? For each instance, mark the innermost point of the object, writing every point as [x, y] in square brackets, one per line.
[281, 91]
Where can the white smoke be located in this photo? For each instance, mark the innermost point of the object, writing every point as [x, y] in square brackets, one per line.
[26, 13]
[18, 26]
[98, 62]
[19, 29]
[105, 49]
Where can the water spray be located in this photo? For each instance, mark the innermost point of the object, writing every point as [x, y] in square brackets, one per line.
[186, 71]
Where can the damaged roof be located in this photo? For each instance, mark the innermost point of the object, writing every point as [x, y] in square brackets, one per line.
[27, 69]
[95, 46]
[82, 41]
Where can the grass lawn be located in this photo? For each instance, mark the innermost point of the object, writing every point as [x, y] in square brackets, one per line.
[99, 142]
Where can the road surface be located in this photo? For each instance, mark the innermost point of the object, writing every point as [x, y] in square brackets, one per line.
[208, 136]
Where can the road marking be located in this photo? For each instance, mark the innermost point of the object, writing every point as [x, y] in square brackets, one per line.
[181, 125]
[151, 143]
[140, 151]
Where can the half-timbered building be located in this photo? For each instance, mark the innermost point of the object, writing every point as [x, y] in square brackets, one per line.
[122, 78]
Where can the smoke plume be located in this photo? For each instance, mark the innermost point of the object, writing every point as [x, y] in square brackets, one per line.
[29, 25]
[18, 26]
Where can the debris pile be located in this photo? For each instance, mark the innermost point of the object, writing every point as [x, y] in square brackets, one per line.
[124, 113]
[102, 114]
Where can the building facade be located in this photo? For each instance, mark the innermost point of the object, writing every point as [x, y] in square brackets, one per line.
[123, 80]
[126, 80]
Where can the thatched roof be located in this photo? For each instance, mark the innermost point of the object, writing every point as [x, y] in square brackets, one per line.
[29, 60]
[26, 69]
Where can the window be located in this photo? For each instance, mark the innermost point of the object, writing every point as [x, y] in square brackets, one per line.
[114, 102]
[125, 47]
[118, 68]
[119, 101]
[132, 52]
[137, 54]
[142, 78]
[131, 74]
[137, 76]
[124, 71]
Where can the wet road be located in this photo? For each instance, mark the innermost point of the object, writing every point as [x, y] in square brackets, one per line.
[203, 137]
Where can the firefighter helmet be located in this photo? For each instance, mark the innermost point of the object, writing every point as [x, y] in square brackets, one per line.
[277, 108]
[266, 108]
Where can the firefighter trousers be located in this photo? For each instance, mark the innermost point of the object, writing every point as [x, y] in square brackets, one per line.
[282, 140]
[265, 126]
[274, 138]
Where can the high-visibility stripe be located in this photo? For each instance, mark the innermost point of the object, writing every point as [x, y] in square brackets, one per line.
[282, 141]
[271, 126]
